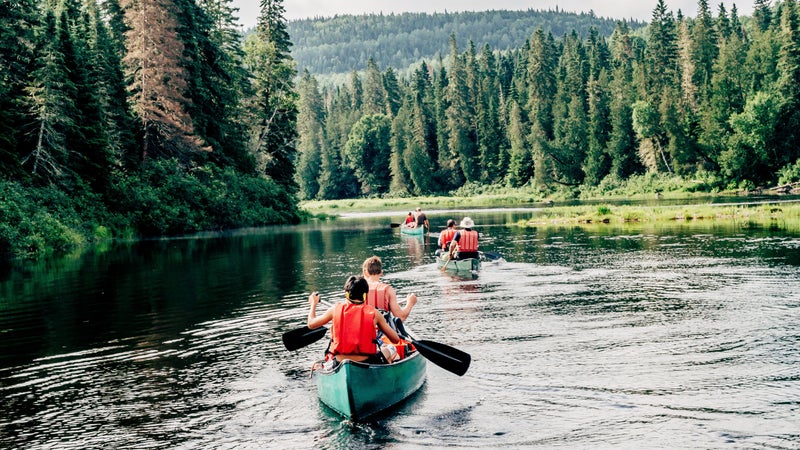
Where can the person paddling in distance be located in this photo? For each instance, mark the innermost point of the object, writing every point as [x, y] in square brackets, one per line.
[410, 222]
[381, 295]
[445, 237]
[422, 219]
[465, 241]
[355, 324]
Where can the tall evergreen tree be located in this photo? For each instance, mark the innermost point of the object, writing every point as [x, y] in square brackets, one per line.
[598, 163]
[158, 80]
[310, 126]
[375, 98]
[787, 150]
[17, 44]
[621, 143]
[52, 97]
[275, 107]
[762, 14]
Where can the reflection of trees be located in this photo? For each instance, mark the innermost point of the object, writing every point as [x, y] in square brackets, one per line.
[415, 246]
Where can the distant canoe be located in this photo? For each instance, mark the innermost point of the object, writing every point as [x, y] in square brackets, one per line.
[358, 390]
[459, 265]
[416, 231]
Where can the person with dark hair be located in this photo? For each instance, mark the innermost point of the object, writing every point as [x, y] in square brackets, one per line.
[422, 219]
[410, 222]
[355, 324]
[446, 236]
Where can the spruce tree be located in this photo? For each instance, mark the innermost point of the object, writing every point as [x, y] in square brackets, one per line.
[275, 108]
[158, 80]
[310, 126]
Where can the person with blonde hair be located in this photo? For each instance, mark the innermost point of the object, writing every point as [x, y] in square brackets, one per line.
[381, 295]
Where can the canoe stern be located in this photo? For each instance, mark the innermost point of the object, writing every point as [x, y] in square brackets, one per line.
[358, 390]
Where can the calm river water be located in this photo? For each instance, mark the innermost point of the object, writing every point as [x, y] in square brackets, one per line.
[678, 336]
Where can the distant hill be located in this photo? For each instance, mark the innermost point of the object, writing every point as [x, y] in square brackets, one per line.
[338, 45]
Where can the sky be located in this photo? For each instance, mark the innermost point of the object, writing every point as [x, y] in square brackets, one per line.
[617, 9]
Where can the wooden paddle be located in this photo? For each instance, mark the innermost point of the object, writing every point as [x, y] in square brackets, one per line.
[453, 249]
[444, 356]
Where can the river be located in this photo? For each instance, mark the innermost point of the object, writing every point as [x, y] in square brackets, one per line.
[682, 335]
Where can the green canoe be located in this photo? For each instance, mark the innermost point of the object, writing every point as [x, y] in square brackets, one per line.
[416, 231]
[459, 265]
[358, 390]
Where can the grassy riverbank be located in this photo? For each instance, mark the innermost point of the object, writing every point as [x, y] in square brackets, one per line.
[763, 214]
[760, 213]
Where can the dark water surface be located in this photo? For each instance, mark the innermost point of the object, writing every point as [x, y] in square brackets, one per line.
[679, 336]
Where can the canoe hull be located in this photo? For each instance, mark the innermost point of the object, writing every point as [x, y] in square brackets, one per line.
[417, 231]
[358, 390]
[459, 265]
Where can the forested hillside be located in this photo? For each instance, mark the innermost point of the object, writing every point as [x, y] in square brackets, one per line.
[344, 43]
[707, 100]
[141, 118]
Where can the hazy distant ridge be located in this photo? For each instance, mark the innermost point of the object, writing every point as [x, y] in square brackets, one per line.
[343, 43]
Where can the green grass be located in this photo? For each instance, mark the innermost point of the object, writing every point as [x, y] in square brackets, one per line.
[615, 215]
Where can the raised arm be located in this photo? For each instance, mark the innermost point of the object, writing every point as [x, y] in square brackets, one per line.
[314, 321]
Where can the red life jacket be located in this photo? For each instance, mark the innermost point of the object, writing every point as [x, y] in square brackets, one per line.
[468, 242]
[353, 329]
[447, 236]
[377, 298]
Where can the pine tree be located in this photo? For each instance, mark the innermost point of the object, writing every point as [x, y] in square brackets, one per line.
[662, 53]
[275, 108]
[17, 41]
[394, 95]
[703, 49]
[310, 125]
[375, 98]
[158, 80]
[598, 163]
[762, 14]
[621, 142]
[520, 165]
[52, 97]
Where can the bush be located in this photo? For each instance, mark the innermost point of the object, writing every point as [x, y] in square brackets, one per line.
[789, 173]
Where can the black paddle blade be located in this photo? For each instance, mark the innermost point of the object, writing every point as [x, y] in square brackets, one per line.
[394, 225]
[492, 255]
[444, 356]
[301, 337]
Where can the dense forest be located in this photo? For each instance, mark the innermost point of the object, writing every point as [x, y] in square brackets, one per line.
[122, 118]
[130, 118]
[706, 99]
[340, 44]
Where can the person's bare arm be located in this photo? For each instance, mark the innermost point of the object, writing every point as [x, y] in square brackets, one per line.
[313, 321]
[394, 305]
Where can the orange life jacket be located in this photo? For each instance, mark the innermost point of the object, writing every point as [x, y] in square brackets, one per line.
[447, 236]
[468, 241]
[377, 298]
[353, 330]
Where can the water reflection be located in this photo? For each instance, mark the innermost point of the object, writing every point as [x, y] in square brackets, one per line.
[637, 336]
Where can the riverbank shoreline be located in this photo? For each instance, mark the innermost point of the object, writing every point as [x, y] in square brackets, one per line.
[590, 212]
